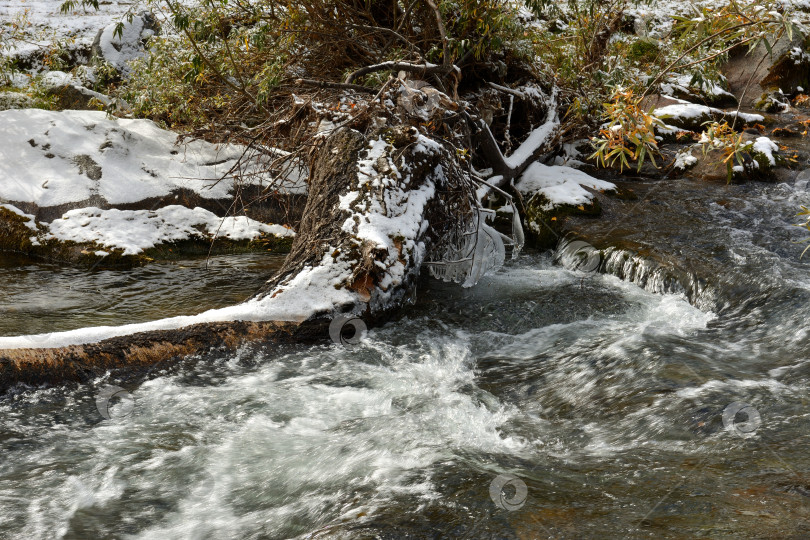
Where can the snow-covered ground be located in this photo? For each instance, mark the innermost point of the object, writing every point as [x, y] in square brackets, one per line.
[47, 23]
[52, 158]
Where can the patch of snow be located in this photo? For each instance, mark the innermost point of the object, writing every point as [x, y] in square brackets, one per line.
[52, 158]
[667, 129]
[560, 184]
[691, 111]
[746, 117]
[684, 110]
[137, 230]
[765, 146]
[57, 78]
[798, 56]
[538, 136]
[684, 160]
[119, 51]
[345, 201]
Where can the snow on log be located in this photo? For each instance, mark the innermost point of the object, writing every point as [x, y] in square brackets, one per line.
[377, 207]
[367, 224]
[506, 169]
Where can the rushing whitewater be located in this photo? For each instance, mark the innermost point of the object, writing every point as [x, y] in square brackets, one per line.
[607, 401]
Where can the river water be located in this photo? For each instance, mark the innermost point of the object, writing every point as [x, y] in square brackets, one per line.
[546, 402]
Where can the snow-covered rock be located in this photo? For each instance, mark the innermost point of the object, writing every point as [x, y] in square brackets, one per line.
[134, 231]
[764, 151]
[70, 94]
[760, 155]
[692, 116]
[134, 237]
[560, 185]
[552, 192]
[773, 102]
[712, 93]
[118, 51]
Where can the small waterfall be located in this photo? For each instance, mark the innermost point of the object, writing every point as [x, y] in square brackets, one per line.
[650, 273]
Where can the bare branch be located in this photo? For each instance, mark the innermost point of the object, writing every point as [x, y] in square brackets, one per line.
[442, 32]
[329, 84]
[516, 93]
[425, 68]
[391, 33]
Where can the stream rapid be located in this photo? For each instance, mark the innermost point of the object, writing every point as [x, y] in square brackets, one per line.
[545, 402]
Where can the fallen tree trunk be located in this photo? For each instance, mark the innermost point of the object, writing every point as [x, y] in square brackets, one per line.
[375, 206]
[140, 353]
[382, 203]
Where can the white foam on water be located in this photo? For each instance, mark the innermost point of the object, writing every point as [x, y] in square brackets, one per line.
[335, 441]
[285, 445]
[731, 386]
[311, 438]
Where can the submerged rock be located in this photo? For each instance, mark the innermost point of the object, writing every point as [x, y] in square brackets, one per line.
[760, 155]
[545, 221]
[773, 102]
